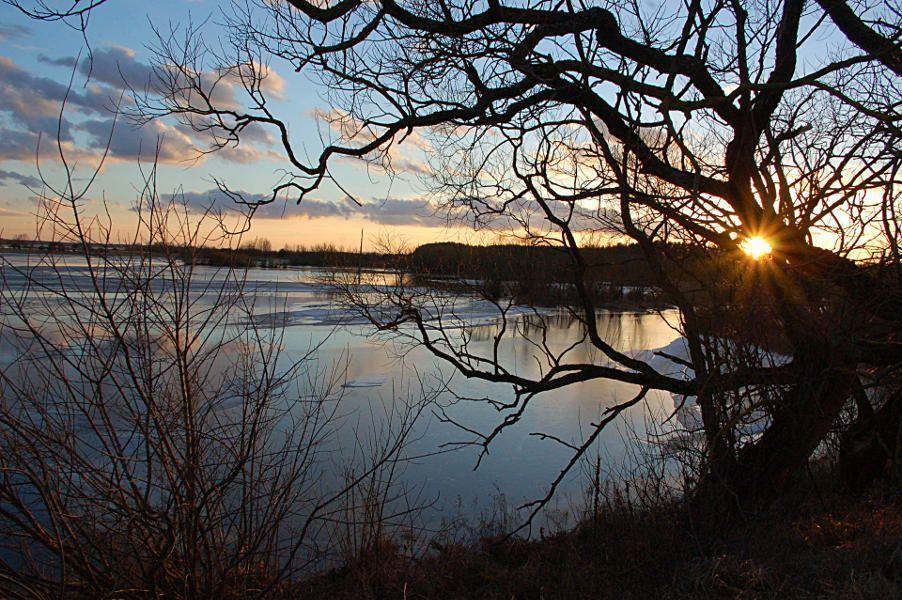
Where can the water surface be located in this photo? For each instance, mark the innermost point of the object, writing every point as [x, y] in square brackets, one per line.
[376, 373]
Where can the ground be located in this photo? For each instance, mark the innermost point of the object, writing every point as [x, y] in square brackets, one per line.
[818, 542]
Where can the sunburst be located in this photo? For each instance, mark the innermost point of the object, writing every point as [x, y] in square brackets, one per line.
[756, 247]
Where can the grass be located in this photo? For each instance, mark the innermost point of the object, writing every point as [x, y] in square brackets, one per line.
[818, 542]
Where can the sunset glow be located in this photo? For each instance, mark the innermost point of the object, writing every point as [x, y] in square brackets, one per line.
[756, 247]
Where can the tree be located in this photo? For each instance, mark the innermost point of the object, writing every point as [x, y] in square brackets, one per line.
[261, 245]
[704, 123]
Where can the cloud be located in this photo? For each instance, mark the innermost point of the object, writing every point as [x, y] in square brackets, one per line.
[16, 208]
[384, 211]
[390, 212]
[406, 154]
[128, 142]
[257, 133]
[32, 104]
[217, 201]
[35, 101]
[272, 84]
[118, 67]
[13, 178]
[19, 145]
[115, 66]
[7, 212]
[65, 61]
[13, 32]
[395, 211]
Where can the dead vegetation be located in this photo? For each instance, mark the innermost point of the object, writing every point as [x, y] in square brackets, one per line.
[819, 542]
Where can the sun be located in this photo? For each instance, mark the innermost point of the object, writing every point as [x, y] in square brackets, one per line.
[756, 247]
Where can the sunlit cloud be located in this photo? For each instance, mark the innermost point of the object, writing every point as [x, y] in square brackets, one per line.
[218, 202]
[10, 211]
[89, 127]
[118, 67]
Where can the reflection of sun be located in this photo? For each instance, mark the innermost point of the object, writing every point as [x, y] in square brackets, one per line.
[756, 247]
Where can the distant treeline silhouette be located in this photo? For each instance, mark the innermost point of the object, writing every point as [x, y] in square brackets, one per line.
[541, 274]
[530, 273]
[622, 263]
[259, 254]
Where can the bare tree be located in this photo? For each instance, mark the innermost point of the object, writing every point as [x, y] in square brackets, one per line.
[713, 125]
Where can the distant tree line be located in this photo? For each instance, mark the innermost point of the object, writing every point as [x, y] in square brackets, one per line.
[620, 263]
[259, 253]
[544, 275]
[531, 274]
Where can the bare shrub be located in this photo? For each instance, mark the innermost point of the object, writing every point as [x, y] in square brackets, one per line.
[154, 439]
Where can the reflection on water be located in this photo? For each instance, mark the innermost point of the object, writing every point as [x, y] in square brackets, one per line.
[378, 371]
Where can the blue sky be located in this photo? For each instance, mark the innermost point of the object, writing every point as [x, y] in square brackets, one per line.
[37, 61]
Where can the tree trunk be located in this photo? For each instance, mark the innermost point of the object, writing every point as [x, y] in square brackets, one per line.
[871, 443]
[762, 469]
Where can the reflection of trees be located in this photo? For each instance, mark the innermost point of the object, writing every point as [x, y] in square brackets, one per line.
[530, 325]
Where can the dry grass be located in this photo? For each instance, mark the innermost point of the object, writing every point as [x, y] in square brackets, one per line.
[816, 544]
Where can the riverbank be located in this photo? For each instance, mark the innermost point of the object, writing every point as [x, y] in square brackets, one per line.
[818, 542]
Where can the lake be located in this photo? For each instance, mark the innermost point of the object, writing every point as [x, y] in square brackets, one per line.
[376, 372]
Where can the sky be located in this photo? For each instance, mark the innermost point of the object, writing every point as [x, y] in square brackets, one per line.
[37, 62]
